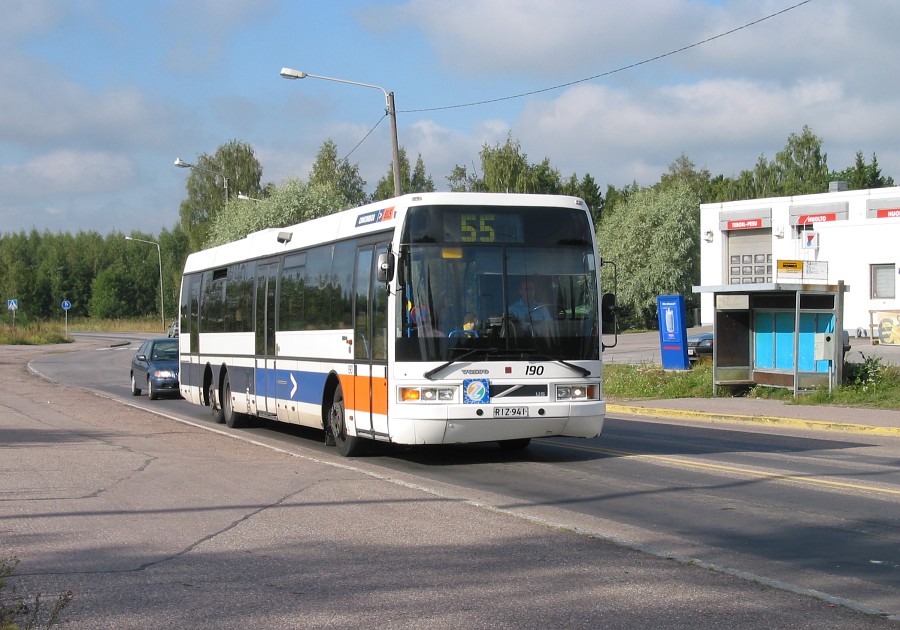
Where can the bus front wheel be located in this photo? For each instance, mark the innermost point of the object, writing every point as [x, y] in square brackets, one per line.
[348, 446]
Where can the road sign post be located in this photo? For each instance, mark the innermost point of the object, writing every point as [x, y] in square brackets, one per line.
[66, 305]
[13, 305]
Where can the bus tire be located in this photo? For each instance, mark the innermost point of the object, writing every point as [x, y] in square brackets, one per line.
[233, 419]
[215, 408]
[514, 445]
[348, 446]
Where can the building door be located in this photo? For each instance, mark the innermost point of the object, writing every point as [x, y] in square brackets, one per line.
[749, 257]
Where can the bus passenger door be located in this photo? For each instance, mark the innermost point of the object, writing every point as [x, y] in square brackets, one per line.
[266, 276]
[370, 345]
[189, 338]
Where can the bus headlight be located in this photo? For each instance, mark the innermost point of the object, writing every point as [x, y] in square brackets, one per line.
[427, 394]
[577, 392]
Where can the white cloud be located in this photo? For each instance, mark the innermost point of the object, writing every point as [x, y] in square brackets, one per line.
[66, 173]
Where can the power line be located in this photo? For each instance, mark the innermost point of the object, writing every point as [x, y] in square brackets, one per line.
[609, 72]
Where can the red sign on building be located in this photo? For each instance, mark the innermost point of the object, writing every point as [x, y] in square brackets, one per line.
[888, 213]
[745, 224]
[806, 219]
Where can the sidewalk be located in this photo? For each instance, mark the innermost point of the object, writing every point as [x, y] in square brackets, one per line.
[769, 412]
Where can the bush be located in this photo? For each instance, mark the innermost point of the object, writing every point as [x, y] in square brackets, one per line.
[16, 613]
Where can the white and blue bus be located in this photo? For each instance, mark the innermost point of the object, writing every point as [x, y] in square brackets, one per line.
[432, 318]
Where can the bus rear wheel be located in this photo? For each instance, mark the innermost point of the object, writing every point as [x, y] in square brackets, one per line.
[215, 408]
[233, 419]
[348, 446]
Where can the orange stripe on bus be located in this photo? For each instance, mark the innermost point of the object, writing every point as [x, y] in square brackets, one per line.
[356, 393]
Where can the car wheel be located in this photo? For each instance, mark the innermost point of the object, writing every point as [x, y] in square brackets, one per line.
[347, 446]
[152, 394]
[135, 390]
[233, 419]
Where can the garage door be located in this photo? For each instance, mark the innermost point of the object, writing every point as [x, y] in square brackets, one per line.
[749, 256]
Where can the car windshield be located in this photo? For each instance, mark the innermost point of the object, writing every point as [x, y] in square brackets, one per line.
[165, 351]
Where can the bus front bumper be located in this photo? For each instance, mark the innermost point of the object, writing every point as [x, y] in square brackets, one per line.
[456, 424]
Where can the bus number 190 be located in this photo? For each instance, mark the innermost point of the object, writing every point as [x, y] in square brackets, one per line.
[534, 370]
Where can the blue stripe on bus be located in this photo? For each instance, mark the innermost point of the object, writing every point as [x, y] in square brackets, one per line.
[306, 387]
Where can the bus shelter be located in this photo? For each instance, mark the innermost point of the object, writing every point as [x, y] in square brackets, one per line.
[777, 334]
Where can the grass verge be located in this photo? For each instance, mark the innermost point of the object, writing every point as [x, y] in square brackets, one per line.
[869, 384]
[48, 332]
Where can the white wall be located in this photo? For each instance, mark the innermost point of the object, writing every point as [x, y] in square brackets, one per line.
[848, 246]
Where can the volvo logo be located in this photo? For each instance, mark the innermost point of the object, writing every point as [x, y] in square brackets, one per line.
[475, 372]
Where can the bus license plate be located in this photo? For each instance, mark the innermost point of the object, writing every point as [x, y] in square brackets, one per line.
[510, 412]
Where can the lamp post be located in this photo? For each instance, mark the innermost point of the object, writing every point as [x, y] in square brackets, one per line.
[182, 164]
[244, 197]
[290, 73]
[162, 307]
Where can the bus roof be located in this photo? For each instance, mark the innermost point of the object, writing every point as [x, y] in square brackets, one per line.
[385, 215]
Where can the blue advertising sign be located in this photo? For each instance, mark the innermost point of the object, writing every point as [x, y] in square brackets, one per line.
[672, 332]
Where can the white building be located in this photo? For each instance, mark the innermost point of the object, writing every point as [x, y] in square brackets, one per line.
[850, 236]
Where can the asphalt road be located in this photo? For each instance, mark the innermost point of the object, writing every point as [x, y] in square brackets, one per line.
[158, 522]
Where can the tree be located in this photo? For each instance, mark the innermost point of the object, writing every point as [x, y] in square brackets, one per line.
[654, 241]
[339, 174]
[588, 190]
[802, 167]
[206, 187]
[293, 202]
[861, 176]
[683, 169]
[417, 181]
[460, 180]
[113, 293]
[504, 168]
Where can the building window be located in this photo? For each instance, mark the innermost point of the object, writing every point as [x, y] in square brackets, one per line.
[883, 285]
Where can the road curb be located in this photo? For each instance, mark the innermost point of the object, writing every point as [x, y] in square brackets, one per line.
[792, 423]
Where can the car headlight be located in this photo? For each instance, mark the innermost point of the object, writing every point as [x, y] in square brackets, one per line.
[577, 392]
[165, 374]
[427, 394]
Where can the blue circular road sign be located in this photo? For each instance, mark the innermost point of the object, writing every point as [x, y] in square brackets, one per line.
[66, 304]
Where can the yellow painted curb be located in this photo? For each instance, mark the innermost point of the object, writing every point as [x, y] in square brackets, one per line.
[796, 423]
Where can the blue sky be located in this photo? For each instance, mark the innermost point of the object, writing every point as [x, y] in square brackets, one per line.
[100, 96]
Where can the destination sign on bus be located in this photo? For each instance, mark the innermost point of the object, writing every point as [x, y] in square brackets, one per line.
[479, 226]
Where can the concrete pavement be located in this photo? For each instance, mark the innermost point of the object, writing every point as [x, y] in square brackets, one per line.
[766, 412]
[153, 523]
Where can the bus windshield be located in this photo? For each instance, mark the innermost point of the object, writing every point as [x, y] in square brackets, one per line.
[511, 282]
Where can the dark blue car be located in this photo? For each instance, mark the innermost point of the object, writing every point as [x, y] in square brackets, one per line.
[154, 367]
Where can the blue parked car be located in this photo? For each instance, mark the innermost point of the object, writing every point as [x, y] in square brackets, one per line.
[154, 367]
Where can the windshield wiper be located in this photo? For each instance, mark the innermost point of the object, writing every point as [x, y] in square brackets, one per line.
[465, 355]
[547, 357]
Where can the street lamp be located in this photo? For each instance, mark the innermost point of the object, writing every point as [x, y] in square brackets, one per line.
[162, 307]
[182, 164]
[244, 197]
[290, 73]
